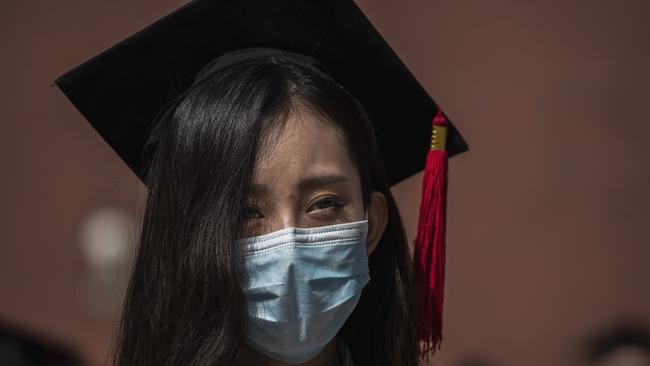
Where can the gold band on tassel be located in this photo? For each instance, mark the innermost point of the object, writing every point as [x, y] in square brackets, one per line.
[439, 137]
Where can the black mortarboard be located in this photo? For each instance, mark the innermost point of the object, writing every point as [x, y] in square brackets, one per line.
[122, 90]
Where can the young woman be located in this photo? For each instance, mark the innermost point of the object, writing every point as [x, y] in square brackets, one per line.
[270, 235]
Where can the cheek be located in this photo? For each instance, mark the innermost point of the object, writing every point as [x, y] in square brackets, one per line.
[253, 228]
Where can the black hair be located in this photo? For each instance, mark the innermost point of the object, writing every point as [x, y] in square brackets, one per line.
[184, 304]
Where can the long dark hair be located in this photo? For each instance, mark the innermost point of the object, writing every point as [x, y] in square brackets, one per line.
[184, 305]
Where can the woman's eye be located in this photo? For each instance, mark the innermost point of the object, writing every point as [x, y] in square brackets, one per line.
[326, 203]
[251, 213]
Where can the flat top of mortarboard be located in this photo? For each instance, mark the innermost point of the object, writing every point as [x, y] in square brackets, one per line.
[121, 90]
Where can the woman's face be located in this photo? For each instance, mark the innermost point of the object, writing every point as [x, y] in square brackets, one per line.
[306, 178]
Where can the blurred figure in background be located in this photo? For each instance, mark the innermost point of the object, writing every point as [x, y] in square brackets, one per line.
[17, 348]
[627, 344]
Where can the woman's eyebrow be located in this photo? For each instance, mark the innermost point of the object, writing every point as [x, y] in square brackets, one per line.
[304, 184]
[316, 181]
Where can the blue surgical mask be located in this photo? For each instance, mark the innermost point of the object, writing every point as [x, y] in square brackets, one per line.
[301, 284]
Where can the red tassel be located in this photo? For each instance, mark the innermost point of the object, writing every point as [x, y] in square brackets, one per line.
[429, 252]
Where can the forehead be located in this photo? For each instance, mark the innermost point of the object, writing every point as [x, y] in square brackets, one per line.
[306, 144]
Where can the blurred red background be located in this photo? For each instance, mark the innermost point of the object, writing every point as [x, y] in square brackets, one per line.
[548, 211]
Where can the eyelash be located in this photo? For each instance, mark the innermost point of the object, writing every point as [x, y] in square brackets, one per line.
[246, 211]
[335, 203]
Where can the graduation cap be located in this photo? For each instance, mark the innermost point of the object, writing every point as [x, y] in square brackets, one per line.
[123, 90]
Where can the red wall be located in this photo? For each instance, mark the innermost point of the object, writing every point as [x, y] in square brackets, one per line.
[548, 212]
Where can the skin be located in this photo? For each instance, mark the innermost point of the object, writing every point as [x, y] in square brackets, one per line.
[306, 178]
